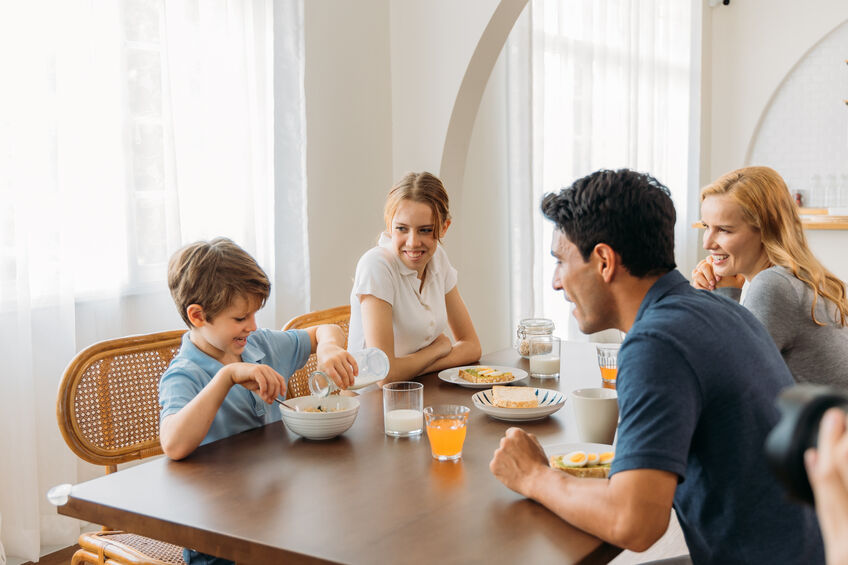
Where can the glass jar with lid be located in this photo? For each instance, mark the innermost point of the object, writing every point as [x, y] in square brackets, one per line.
[530, 327]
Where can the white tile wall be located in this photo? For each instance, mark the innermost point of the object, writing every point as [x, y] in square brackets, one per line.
[804, 134]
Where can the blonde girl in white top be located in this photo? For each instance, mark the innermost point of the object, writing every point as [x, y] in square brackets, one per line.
[405, 296]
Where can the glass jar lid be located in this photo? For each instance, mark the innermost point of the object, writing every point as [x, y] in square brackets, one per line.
[535, 326]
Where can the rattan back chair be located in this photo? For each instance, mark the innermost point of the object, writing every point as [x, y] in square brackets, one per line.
[340, 315]
[108, 412]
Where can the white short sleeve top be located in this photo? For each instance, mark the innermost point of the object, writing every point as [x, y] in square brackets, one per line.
[418, 317]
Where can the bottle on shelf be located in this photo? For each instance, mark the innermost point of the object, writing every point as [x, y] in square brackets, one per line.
[832, 191]
[817, 196]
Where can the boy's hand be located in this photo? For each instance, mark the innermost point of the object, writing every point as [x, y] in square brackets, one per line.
[267, 382]
[337, 363]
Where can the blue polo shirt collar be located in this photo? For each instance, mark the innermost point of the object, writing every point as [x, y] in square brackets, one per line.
[251, 354]
[663, 286]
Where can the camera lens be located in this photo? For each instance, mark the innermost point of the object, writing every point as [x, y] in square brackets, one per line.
[801, 410]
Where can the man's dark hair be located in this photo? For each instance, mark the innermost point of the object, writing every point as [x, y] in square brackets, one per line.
[629, 211]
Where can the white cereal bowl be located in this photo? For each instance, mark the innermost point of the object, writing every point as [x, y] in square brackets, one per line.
[320, 425]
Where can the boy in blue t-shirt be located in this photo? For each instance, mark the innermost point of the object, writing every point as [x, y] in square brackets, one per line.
[218, 288]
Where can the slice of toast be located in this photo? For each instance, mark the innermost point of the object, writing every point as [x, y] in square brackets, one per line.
[514, 397]
[595, 472]
[484, 375]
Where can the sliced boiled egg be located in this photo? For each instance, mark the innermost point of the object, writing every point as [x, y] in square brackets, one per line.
[484, 370]
[592, 460]
[606, 457]
[575, 459]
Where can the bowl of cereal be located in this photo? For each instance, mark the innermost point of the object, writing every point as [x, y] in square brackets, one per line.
[315, 417]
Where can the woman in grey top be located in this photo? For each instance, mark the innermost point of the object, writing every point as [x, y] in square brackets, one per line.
[753, 233]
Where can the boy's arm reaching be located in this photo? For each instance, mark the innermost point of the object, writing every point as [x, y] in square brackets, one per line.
[182, 432]
[328, 343]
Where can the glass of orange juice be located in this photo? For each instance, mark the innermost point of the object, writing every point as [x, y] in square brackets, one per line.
[446, 427]
[608, 363]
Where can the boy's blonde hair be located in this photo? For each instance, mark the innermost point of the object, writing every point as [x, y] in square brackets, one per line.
[769, 208]
[213, 274]
[426, 188]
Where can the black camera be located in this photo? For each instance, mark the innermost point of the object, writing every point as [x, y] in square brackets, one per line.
[801, 410]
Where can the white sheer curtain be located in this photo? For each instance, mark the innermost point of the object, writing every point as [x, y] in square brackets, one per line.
[126, 130]
[608, 87]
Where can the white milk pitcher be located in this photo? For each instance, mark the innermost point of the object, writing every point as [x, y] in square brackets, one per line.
[373, 366]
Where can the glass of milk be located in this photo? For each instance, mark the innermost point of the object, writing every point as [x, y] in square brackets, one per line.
[544, 356]
[403, 408]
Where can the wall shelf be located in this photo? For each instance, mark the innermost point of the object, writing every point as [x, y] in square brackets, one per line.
[814, 219]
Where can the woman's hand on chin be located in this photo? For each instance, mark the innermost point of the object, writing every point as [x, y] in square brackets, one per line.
[705, 278]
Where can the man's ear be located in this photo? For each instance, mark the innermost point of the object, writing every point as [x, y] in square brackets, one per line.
[196, 315]
[607, 260]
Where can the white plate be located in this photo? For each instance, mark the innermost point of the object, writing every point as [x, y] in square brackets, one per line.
[452, 376]
[549, 402]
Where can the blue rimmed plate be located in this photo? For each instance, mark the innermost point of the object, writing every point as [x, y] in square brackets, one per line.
[549, 402]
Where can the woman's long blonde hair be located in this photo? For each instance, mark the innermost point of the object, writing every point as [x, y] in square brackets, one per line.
[767, 206]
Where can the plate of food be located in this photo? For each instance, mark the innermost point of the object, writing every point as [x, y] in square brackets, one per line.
[482, 376]
[518, 403]
[584, 460]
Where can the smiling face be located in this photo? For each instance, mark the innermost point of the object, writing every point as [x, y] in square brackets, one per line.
[413, 236]
[735, 246]
[225, 336]
[582, 285]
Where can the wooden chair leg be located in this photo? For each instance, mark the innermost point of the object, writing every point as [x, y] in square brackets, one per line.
[83, 556]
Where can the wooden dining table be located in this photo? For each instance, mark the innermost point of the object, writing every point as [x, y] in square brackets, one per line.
[269, 496]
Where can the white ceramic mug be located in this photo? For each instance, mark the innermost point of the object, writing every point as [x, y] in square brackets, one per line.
[596, 412]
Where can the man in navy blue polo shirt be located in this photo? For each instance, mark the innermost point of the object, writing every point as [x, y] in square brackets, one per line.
[698, 377]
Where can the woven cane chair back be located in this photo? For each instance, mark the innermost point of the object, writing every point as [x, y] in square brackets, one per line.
[108, 413]
[340, 316]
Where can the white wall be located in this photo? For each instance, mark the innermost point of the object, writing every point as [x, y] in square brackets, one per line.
[750, 47]
[349, 138]
[753, 44]
[804, 130]
[479, 244]
[432, 43]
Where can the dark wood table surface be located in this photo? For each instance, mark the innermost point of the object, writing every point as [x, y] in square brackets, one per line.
[269, 496]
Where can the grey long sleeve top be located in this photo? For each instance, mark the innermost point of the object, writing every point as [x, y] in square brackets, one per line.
[782, 302]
